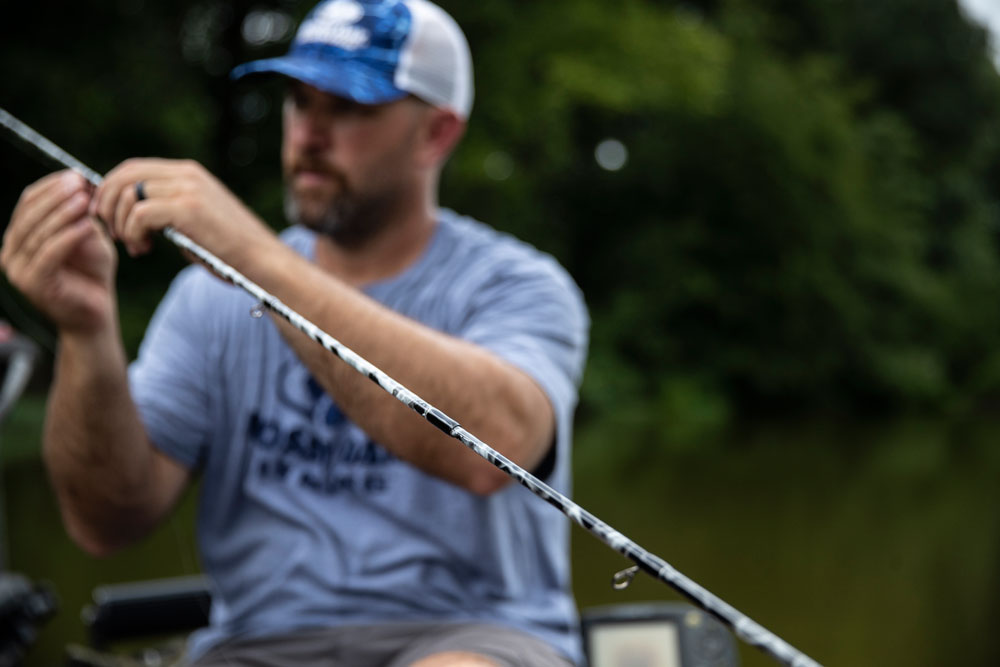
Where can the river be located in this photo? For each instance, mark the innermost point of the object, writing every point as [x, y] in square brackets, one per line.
[872, 543]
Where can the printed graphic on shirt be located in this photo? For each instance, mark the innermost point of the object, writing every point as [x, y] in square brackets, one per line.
[313, 445]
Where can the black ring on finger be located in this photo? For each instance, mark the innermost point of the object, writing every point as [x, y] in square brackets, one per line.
[140, 191]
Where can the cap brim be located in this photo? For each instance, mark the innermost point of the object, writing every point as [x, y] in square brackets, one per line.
[350, 79]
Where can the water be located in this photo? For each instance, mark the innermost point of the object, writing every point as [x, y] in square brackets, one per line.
[861, 544]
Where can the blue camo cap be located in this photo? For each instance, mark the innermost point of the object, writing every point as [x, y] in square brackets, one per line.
[377, 51]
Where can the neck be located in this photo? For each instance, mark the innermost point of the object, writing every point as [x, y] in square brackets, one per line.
[386, 254]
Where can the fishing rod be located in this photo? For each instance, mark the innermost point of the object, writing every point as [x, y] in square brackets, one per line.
[743, 626]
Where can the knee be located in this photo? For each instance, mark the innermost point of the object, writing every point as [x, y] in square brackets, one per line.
[454, 659]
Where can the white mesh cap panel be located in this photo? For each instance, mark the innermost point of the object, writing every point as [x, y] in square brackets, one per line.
[435, 64]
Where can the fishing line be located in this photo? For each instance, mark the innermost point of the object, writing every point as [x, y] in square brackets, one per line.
[745, 628]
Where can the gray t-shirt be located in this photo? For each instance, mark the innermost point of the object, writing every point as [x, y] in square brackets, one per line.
[304, 521]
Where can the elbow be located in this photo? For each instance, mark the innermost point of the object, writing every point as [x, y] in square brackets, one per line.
[97, 549]
[101, 530]
[487, 481]
[487, 478]
[91, 541]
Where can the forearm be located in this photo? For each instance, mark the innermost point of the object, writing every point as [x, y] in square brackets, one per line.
[492, 399]
[98, 456]
[108, 480]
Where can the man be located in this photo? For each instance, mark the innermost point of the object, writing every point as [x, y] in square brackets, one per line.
[335, 525]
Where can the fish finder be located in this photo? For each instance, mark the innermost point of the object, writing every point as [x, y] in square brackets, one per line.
[661, 634]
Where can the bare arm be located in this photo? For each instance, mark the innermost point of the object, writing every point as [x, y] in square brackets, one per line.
[497, 402]
[112, 486]
[492, 399]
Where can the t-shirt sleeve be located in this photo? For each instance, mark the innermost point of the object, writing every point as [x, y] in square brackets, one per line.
[536, 320]
[170, 378]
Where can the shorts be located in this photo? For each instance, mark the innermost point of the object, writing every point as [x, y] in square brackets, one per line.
[391, 645]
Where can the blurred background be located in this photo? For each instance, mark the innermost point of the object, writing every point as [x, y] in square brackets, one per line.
[784, 215]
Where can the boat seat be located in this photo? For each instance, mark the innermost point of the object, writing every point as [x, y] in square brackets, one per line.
[649, 634]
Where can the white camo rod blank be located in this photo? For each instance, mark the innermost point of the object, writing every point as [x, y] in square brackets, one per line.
[745, 628]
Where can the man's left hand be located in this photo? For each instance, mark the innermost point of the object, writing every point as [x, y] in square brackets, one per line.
[181, 194]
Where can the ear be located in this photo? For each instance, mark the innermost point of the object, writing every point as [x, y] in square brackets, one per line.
[442, 131]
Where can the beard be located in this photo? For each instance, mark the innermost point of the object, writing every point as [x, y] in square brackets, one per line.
[349, 217]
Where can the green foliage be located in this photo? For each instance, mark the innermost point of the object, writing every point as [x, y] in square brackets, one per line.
[806, 219]
[673, 60]
[776, 240]
[806, 222]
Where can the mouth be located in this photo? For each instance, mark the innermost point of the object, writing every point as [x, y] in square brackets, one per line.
[313, 178]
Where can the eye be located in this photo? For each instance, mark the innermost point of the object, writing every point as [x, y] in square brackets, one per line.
[296, 97]
[351, 108]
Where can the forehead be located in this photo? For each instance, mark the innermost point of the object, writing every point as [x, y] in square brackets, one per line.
[304, 92]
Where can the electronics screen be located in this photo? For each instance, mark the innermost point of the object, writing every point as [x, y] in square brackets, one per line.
[638, 644]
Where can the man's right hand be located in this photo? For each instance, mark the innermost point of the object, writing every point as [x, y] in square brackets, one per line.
[59, 257]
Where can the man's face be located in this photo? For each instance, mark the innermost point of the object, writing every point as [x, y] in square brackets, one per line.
[348, 168]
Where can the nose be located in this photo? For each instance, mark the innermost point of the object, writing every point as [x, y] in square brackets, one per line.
[310, 129]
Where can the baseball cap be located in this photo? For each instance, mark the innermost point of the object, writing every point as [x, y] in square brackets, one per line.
[376, 51]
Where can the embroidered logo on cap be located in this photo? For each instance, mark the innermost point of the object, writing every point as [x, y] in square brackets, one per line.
[335, 23]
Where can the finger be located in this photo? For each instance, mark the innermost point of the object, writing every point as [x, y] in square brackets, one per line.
[126, 200]
[146, 218]
[118, 182]
[33, 207]
[68, 211]
[106, 198]
[33, 214]
[130, 197]
[36, 189]
[32, 273]
[73, 210]
[55, 253]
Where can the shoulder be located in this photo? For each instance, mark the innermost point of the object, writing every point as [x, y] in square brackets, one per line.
[480, 250]
[507, 285]
[471, 234]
